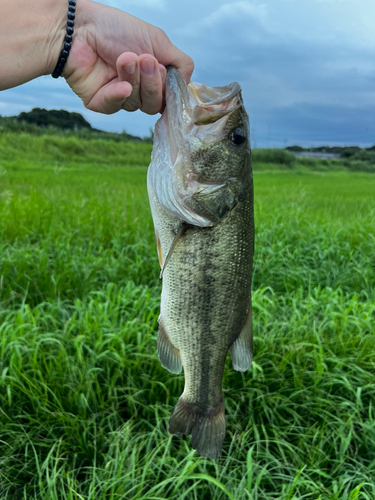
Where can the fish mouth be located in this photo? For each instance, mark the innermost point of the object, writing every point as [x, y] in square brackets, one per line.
[199, 104]
[196, 110]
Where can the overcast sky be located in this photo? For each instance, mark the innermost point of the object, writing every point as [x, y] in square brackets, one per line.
[306, 67]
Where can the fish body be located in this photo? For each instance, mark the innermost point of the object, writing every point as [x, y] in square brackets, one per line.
[201, 195]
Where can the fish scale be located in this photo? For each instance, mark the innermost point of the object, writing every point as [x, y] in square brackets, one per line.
[206, 266]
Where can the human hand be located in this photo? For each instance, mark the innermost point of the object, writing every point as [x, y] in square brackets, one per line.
[118, 61]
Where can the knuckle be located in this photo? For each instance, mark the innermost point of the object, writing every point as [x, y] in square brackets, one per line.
[162, 35]
[191, 65]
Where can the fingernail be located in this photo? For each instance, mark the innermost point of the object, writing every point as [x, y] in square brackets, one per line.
[130, 68]
[148, 67]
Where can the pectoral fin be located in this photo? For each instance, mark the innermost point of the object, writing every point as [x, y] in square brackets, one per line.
[241, 351]
[180, 231]
[158, 248]
[169, 356]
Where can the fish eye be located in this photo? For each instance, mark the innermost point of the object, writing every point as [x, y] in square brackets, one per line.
[237, 137]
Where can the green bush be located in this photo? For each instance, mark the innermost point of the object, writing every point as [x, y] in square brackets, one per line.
[361, 166]
[363, 155]
[59, 150]
[26, 143]
[12, 125]
[280, 156]
[54, 117]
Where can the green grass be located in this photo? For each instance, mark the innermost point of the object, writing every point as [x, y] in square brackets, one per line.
[84, 402]
[21, 150]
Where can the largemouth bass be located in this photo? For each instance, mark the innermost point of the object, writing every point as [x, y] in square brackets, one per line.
[200, 189]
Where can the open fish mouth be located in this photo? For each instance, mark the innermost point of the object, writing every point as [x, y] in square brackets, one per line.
[197, 103]
[195, 118]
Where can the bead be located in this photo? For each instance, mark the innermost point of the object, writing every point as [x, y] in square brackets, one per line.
[67, 41]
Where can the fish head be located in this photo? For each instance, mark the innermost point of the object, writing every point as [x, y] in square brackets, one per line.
[201, 166]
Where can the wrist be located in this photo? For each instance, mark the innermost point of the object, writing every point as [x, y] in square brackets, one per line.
[55, 31]
[58, 30]
[84, 32]
[83, 16]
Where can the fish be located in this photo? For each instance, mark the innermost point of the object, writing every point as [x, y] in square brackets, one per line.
[200, 189]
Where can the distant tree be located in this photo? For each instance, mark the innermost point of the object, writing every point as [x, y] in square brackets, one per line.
[349, 151]
[54, 118]
[295, 149]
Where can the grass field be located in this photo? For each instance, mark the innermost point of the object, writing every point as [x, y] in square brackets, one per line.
[84, 402]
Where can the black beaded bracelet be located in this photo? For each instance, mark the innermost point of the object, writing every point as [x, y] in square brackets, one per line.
[67, 41]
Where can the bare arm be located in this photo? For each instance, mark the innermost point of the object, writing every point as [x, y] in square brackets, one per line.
[31, 35]
[116, 62]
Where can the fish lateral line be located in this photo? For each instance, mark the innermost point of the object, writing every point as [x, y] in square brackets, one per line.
[180, 232]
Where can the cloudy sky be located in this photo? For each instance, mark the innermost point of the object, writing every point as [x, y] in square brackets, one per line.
[307, 67]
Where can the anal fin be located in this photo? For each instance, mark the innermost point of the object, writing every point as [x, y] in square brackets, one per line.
[241, 351]
[169, 356]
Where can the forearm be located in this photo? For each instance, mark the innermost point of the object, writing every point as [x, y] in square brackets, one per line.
[31, 39]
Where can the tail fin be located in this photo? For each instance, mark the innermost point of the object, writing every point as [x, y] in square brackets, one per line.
[207, 428]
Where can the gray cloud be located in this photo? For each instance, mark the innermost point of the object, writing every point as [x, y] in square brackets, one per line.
[307, 69]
